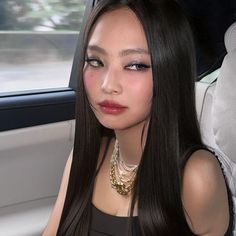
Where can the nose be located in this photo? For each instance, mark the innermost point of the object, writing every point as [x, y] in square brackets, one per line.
[111, 82]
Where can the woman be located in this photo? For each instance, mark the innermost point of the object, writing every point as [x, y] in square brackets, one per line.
[139, 166]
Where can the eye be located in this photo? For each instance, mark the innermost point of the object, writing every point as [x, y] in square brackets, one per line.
[94, 62]
[137, 66]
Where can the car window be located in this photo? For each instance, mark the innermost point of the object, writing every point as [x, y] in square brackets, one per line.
[37, 43]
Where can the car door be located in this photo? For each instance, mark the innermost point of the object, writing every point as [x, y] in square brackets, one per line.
[38, 41]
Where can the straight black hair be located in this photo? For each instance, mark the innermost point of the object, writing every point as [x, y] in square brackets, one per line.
[173, 130]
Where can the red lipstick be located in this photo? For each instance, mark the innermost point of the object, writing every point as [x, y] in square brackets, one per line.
[110, 107]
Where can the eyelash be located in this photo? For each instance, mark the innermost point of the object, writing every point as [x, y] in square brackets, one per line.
[90, 61]
[138, 66]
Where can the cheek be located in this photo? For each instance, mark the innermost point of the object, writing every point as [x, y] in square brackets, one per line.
[88, 78]
[142, 88]
[90, 81]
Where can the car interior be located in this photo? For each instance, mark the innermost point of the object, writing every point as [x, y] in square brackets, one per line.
[32, 159]
[215, 101]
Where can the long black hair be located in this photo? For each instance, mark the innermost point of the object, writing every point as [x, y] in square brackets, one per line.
[172, 133]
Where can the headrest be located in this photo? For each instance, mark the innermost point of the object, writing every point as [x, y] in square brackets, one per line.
[224, 105]
[230, 38]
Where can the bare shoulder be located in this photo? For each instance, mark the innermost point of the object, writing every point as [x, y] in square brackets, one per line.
[54, 220]
[205, 195]
[203, 167]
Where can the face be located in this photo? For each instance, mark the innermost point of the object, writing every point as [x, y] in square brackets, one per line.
[117, 72]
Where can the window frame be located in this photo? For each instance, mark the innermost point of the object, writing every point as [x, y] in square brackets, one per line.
[30, 108]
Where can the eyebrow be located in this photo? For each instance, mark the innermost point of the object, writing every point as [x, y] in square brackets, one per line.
[97, 49]
[127, 52]
[123, 53]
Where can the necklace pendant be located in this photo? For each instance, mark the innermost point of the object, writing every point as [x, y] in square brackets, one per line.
[121, 175]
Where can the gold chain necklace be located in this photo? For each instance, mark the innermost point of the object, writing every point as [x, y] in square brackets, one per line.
[122, 175]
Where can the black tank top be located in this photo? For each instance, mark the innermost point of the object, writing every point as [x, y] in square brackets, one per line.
[103, 224]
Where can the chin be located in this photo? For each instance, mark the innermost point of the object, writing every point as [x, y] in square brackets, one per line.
[114, 126]
[119, 126]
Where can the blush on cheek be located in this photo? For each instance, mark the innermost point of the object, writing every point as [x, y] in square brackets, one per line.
[142, 86]
[88, 79]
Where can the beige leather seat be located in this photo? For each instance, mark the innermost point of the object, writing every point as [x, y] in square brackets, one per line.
[217, 114]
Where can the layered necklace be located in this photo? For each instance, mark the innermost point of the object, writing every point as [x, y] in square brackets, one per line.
[122, 175]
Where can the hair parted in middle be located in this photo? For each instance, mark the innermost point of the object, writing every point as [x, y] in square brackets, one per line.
[173, 132]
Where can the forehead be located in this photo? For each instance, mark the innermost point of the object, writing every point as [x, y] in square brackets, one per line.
[118, 28]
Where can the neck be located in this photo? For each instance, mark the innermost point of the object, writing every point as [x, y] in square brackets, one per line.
[132, 142]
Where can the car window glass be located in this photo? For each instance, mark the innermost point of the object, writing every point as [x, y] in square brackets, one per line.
[37, 43]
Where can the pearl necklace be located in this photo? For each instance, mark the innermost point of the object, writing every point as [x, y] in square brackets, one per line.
[122, 175]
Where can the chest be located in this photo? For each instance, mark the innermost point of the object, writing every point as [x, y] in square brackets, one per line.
[106, 198]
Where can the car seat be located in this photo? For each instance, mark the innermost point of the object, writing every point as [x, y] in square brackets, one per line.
[216, 107]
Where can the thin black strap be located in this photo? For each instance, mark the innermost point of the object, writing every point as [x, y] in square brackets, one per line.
[230, 198]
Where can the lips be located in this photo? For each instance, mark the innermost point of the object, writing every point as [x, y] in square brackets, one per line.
[110, 107]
